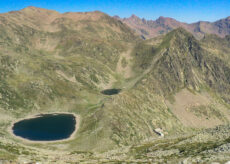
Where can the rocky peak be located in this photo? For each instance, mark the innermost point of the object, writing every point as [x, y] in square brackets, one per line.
[168, 22]
[133, 16]
[181, 38]
[161, 20]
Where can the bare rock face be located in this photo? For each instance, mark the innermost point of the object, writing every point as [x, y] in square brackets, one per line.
[151, 28]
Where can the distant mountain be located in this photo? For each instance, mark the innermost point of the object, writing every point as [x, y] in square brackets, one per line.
[151, 28]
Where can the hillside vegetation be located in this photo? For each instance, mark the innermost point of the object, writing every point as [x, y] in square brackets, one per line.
[53, 62]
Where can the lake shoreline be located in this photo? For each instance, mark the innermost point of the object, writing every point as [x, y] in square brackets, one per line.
[77, 125]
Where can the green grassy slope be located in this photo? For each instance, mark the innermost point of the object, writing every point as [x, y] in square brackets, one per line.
[52, 62]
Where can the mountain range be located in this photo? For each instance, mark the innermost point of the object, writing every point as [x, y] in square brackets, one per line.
[163, 25]
[139, 99]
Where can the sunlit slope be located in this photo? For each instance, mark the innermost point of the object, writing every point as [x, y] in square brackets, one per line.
[52, 62]
[178, 85]
[59, 62]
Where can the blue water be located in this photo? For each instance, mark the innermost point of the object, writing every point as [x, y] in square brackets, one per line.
[111, 91]
[47, 127]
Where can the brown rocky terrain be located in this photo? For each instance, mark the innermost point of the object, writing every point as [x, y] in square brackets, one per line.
[153, 28]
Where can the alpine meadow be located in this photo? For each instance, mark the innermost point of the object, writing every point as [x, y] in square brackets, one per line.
[140, 91]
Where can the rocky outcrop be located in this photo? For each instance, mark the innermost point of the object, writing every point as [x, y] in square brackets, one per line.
[163, 25]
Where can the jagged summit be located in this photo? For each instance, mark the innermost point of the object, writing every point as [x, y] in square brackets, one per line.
[161, 18]
[133, 16]
[162, 25]
[168, 21]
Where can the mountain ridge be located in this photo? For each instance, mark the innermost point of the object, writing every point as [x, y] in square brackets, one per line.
[162, 25]
[54, 63]
[144, 28]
